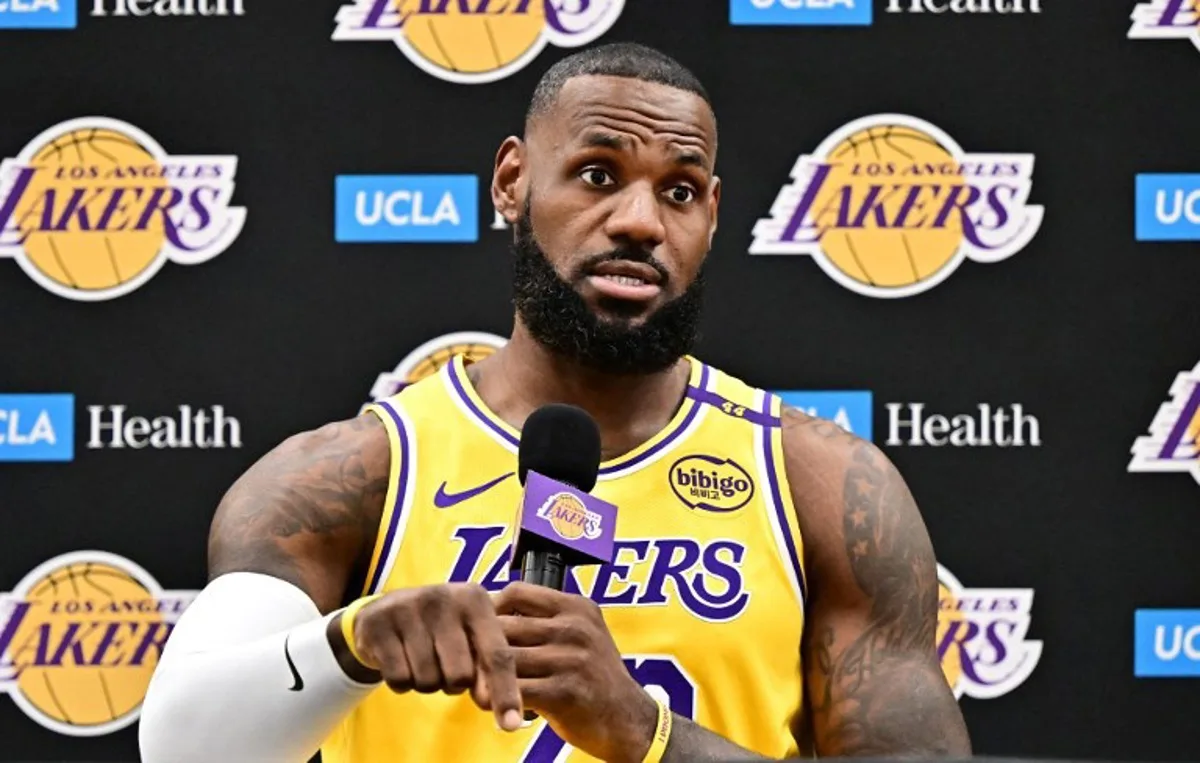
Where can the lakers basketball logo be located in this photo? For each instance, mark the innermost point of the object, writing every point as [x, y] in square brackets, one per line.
[711, 484]
[476, 41]
[981, 637]
[92, 208]
[80, 636]
[890, 206]
[431, 356]
[1173, 442]
[1166, 20]
[570, 518]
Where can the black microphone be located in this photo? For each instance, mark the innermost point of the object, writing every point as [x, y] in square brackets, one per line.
[561, 442]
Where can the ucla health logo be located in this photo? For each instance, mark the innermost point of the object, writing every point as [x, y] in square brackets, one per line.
[406, 208]
[1166, 643]
[1168, 207]
[37, 427]
[889, 206]
[93, 208]
[850, 410]
[800, 12]
[1167, 20]
[37, 14]
[475, 41]
[1173, 444]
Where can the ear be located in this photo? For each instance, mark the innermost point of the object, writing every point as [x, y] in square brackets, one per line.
[714, 205]
[506, 175]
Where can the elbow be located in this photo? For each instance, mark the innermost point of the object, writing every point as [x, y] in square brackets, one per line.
[167, 732]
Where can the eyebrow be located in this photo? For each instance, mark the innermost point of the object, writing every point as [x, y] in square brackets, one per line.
[619, 143]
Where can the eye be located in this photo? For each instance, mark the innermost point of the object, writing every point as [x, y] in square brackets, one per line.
[682, 194]
[596, 176]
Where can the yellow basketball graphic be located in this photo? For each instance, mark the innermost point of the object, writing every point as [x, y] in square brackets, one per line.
[885, 256]
[430, 363]
[91, 163]
[431, 356]
[84, 640]
[472, 43]
[949, 613]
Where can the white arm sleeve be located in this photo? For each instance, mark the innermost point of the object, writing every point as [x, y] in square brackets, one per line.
[224, 688]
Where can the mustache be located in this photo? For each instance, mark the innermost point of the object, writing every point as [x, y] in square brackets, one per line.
[629, 254]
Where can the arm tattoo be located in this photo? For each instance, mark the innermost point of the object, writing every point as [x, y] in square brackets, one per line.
[876, 684]
[308, 511]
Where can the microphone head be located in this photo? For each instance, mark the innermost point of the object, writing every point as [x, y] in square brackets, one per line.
[561, 442]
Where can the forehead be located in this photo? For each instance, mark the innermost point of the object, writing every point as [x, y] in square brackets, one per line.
[646, 112]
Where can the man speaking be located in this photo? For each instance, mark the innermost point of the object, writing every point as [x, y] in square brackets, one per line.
[770, 588]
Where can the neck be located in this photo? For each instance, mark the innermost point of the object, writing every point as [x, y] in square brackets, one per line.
[629, 408]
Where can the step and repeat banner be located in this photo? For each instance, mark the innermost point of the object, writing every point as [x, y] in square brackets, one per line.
[964, 229]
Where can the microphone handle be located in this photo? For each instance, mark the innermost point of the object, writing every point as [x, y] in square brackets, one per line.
[544, 568]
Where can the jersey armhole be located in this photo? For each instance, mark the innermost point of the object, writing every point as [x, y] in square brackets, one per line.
[780, 508]
[397, 501]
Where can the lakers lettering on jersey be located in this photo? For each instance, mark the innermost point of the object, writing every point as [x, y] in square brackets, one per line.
[704, 597]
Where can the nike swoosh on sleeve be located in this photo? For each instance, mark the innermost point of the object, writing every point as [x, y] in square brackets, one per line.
[444, 500]
[299, 685]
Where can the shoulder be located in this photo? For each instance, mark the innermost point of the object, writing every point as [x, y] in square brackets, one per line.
[833, 474]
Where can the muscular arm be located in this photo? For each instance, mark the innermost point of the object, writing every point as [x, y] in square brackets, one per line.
[873, 679]
[308, 511]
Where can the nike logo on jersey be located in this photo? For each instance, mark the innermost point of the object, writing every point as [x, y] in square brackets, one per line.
[444, 500]
[292, 666]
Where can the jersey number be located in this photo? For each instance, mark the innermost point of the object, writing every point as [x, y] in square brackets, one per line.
[661, 677]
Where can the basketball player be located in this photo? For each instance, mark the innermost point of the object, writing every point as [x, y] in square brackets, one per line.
[792, 609]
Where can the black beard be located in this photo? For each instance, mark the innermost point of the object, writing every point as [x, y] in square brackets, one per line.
[560, 320]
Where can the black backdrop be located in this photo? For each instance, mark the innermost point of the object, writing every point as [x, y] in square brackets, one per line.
[1084, 327]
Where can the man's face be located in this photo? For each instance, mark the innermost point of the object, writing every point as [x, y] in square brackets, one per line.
[613, 201]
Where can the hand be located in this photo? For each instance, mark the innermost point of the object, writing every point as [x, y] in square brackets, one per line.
[570, 672]
[440, 638]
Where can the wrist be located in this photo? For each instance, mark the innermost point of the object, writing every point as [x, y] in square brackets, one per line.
[642, 726]
[345, 656]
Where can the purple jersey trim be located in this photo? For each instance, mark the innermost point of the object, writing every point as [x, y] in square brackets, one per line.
[398, 506]
[777, 499]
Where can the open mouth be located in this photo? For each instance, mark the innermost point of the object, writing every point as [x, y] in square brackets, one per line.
[624, 279]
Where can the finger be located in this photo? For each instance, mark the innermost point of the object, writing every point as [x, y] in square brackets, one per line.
[542, 693]
[527, 631]
[393, 665]
[455, 661]
[494, 660]
[531, 600]
[543, 661]
[480, 693]
[422, 660]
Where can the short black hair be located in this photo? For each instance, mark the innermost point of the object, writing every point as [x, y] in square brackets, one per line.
[617, 59]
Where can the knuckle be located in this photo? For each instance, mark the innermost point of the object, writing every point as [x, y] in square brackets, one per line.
[459, 681]
[501, 659]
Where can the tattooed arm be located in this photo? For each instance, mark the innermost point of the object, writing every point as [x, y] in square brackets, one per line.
[873, 682]
[308, 511]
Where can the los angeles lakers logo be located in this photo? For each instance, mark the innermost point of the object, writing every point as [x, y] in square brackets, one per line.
[1166, 20]
[570, 518]
[92, 208]
[80, 636]
[981, 637]
[427, 359]
[890, 206]
[476, 41]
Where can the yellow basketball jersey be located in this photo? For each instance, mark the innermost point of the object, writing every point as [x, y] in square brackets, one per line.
[704, 598]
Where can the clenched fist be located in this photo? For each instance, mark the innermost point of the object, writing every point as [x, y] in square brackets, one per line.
[569, 670]
[442, 638]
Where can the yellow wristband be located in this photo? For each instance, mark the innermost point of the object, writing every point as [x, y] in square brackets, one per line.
[658, 745]
[348, 616]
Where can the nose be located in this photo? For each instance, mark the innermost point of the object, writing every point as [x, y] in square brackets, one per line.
[637, 218]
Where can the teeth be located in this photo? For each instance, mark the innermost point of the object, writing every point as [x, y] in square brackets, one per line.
[625, 280]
